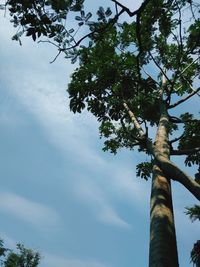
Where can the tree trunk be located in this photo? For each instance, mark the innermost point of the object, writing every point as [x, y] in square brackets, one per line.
[163, 247]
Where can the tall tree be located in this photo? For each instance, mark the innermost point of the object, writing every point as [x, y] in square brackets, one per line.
[135, 68]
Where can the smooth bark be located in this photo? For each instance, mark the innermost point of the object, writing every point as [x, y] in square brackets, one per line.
[163, 247]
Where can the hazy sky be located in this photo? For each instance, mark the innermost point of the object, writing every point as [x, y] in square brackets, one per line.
[60, 194]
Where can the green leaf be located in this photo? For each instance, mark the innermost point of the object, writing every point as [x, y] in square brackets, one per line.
[88, 16]
[78, 18]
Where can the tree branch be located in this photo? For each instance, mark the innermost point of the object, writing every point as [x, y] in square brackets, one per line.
[184, 99]
[90, 34]
[133, 137]
[178, 120]
[176, 139]
[136, 124]
[150, 76]
[156, 63]
[132, 13]
[174, 173]
[184, 151]
[189, 65]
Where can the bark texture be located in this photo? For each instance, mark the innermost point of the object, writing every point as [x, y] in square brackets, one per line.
[163, 248]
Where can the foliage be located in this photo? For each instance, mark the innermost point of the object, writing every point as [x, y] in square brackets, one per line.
[24, 257]
[195, 254]
[193, 212]
[144, 170]
[2, 248]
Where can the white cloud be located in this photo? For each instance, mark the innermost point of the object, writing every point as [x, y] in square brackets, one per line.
[52, 261]
[128, 186]
[36, 214]
[97, 200]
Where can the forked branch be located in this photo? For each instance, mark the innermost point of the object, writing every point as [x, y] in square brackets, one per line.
[173, 171]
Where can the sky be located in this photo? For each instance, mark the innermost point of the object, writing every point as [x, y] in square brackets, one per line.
[60, 193]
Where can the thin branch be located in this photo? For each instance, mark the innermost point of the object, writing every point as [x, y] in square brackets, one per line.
[192, 11]
[156, 63]
[189, 84]
[122, 6]
[189, 65]
[193, 90]
[110, 23]
[175, 152]
[176, 139]
[180, 27]
[132, 13]
[178, 120]
[84, 37]
[136, 13]
[116, 8]
[150, 76]
[136, 124]
[50, 42]
[56, 56]
[184, 99]
[59, 49]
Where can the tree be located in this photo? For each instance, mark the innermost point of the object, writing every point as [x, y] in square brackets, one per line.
[23, 258]
[112, 82]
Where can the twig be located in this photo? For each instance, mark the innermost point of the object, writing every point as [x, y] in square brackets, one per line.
[150, 76]
[132, 13]
[56, 56]
[184, 99]
[159, 67]
[189, 65]
[176, 139]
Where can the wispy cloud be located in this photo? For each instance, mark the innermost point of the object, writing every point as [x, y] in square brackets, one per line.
[126, 185]
[41, 91]
[36, 214]
[52, 261]
[97, 200]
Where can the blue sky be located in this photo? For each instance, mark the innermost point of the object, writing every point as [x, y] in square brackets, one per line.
[60, 194]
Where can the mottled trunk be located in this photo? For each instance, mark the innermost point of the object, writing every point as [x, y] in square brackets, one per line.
[163, 249]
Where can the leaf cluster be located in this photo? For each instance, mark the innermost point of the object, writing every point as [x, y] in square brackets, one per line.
[193, 212]
[42, 17]
[23, 256]
[195, 254]
[190, 139]
[144, 170]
